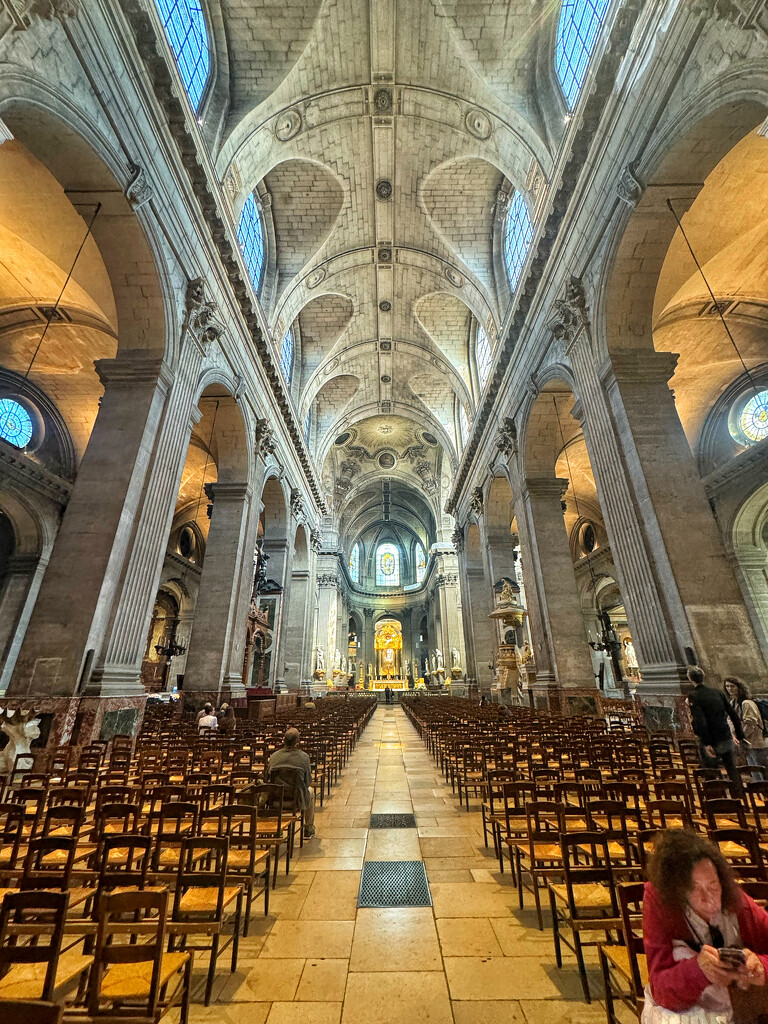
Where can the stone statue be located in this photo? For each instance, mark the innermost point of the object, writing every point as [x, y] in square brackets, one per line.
[455, 658]
[370, 670]
[434, 662]
[439, 656]
[260, 575]
[319, 659]
[20, 730]
[337, 661]
[344, 664]
[630, 656]
[407, 668]
[507, 593]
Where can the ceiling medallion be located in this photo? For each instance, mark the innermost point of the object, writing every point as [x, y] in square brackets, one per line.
[382, 101]
[385, 255]
[386, 379]
[454, 277]
[314, 279]
[384, 188]
[478, 123]
[385, 428]
[385, 346]
[387, 460]
[385, 306]
[287, 124]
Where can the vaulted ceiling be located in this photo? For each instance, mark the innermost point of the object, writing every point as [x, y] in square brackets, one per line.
[378, 135]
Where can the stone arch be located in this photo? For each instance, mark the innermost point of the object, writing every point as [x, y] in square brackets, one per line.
[750, 550]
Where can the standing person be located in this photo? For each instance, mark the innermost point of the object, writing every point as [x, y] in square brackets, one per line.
[291, 756]
[751, 722]
[226, 718]
[710, 713]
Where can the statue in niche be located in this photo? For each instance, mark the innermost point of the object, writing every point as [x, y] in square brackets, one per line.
[337, 661]
[370, 670]
[455, 658]
[343, 664]
[439, 656]
[21, 730]
[434, 662]
[507, 593]
[319, 659]
[630, 656]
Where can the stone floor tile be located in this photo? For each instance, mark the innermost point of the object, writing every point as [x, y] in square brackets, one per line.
[470, 900]
[395, 939]
[323, 980]
[499, 978]
[467, 936]
[304, 1013]
[446, 847]
[332, 897]
[397, 998]
[392, 844]
[261, 982]
[309, 939]
[487, 1011]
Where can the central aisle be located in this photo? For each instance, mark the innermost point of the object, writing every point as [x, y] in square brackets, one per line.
[472, 958]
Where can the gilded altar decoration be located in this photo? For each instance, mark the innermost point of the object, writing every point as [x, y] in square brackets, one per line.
[388, 644]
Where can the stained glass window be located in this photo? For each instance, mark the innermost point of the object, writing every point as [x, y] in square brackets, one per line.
[517, 238]
[464, 425]
[15, 423]
[387, 566]
[754, 418]
[250, 236]
[421, 563]
[286, 356]
[187, 36]
[354, 564]
[482, 355]
[577, 32]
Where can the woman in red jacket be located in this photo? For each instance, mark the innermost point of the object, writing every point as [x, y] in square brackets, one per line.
[692, 908]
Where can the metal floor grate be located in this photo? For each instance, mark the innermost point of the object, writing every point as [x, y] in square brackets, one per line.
[396, 883]
[392, 821]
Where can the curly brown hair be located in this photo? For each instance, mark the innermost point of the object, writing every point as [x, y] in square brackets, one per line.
[741, 687]
[675, 855]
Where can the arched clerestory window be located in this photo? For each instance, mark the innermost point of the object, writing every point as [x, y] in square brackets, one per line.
[421, 562]
[482, 355]
[387, 566]
[354, 564]
[577, 32]
[250, 236]
[286, 356]
[518, 233]
[187, 35]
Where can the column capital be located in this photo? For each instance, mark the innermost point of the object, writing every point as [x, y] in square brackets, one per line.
[639, 366]
[546, 486]
[134, 369]
[221, 492]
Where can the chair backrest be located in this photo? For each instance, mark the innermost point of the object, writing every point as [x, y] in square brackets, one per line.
[124, 861]
[67, 796]
[33, 907]
[48, 864]
[11, 832]
[63, 818]
[668, 814]
[268, 798]
[290, 779]
[202, 864]
[750, 866]
[596, 870]
[630, 895]
[718, 810]
[139, 919]
[31, 1011]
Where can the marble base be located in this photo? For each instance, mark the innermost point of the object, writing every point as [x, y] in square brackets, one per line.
[81, 720]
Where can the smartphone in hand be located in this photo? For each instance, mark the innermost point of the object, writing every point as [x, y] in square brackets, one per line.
[732, 957]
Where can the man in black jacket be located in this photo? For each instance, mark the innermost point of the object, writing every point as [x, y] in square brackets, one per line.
[710, 712]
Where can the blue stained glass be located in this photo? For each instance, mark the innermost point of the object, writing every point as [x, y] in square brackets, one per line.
[15, 423]
[286, 356]
[754, 417]
[354, 564]
[250, 236]
[387, 566]
[517, 238]
[482, 355]
[187, 35]
[421, 563]
[577, 32]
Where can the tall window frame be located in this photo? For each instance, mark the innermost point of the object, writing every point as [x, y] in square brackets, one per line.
[421, 562]
[286, 355]
[187, 34]
[518, 234]
[577, 34]
[250, 237]
[482, 355]
[354, 563]
[387, 565]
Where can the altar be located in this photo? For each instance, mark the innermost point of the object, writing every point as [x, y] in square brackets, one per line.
[388, 647]
[393, 684]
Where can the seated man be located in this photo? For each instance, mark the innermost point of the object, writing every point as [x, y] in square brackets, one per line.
[291, 756]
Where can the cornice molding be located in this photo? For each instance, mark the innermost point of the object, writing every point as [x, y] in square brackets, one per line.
[17, 466]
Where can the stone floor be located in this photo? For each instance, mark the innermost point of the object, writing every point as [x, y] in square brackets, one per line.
[472, 957]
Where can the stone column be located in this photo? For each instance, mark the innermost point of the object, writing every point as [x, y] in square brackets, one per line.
[549, 561]
[479, 631]
[78, 590]
[369, 655]
[327, 610]
[24, 576]
[214, 627]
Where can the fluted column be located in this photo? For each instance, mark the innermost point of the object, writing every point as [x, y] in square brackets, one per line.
[327, 610]
[24, 574]
[450, 598]
[214, 629]
[552, 564]
[118, 667]
[77, 593]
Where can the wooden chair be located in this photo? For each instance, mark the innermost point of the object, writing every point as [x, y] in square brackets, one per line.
[37, 970]
[31, 1011]
[625, 968]
[135, 978]
[11, 834]
[539, 854]
[741, 848]
[586, 898]
[202, 895]
[247, 861]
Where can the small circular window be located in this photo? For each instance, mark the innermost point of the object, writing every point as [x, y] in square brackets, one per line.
[15, 423]
[588, 538]
[754, 417]
[187, 543]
